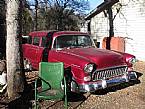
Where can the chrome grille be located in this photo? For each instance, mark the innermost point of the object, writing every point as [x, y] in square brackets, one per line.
[109, 73]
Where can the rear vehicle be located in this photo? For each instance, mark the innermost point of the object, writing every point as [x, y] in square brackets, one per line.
[88, 68]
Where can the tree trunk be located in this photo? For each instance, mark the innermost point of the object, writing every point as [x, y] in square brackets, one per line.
[15, 74]
[36, 15]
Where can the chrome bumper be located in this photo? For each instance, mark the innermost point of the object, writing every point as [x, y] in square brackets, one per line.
[102, 84]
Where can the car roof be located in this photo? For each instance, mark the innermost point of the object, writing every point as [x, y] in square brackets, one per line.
[56, 33]
[69, 33]
[41, 33]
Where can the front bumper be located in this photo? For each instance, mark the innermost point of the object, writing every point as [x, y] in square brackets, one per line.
[102, 84]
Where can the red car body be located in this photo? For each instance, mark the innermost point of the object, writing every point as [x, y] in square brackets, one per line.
[91, 68]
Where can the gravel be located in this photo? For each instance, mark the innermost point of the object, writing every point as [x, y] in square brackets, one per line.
[125, 96]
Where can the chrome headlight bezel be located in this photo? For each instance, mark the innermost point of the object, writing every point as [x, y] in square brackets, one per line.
[89, 68]
[132, 60]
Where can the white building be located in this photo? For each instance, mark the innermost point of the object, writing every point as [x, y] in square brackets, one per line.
[129, 22]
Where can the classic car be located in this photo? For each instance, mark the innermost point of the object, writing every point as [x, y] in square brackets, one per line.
[88, 68]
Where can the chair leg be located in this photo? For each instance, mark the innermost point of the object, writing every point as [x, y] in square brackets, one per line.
[65, 102]
[65, 95]
[35, 102]
[37, 106]
[35, 94]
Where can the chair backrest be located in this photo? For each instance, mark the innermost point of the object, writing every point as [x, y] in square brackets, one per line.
[53, 72]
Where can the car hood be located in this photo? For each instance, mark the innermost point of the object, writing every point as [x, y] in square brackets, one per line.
[101, 57]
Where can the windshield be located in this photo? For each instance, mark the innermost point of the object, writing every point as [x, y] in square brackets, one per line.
[72, 41]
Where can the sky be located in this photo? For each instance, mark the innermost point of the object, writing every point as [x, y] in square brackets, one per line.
[94, 3]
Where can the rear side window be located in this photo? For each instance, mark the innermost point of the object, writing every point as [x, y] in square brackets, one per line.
[36, 41]
[44, 42]
[27, 39]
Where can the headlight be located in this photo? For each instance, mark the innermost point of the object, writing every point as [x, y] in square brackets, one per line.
[88, 68]
[132, 60]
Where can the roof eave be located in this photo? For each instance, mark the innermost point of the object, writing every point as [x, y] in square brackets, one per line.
[103, 6]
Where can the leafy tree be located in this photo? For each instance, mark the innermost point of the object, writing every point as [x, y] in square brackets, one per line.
[27, 21]
[61, 20]
[59, 14]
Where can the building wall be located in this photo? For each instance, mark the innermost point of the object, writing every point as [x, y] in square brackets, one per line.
[99, 27]
[128, 23]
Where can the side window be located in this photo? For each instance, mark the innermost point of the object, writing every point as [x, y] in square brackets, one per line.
[36, 41]
[27, 39]
[44, 41]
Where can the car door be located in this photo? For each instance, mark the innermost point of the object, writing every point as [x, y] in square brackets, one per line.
[34, 51]
[41, 51]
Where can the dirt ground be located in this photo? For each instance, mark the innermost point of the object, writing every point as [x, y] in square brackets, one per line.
[124, 96]
[131, 96]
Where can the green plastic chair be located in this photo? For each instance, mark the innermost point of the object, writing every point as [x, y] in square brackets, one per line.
[53, 83]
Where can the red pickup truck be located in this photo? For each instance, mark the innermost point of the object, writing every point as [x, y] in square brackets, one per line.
[91, 68]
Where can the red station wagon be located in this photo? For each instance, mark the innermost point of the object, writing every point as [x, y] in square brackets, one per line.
[89, 68]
